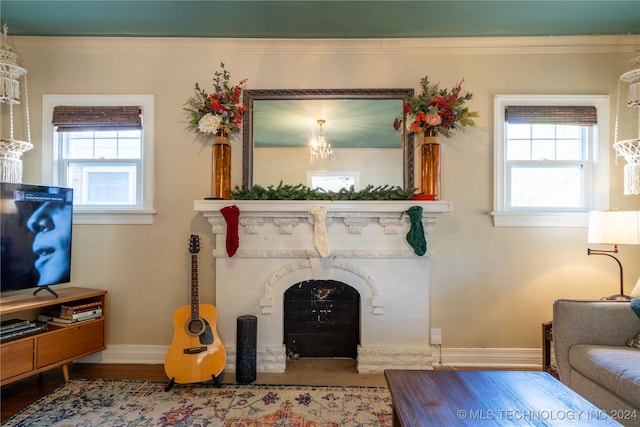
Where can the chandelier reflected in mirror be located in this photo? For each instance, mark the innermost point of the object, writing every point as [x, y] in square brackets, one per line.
[319, 148]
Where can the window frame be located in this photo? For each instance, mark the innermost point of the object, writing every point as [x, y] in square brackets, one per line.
[598, 163]
[51, 162]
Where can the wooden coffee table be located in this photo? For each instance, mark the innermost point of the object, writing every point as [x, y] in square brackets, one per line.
[453, 398]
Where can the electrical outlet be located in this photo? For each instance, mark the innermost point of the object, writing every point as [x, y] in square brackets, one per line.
[436, 336]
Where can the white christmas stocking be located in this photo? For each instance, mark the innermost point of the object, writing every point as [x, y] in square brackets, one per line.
[320, 240]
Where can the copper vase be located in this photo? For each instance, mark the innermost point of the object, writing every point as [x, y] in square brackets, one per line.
[221, 176]
[430, 182]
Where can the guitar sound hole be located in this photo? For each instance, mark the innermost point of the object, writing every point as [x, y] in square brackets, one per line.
[195, 327]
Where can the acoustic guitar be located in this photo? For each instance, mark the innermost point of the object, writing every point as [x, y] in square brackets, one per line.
[196, 353]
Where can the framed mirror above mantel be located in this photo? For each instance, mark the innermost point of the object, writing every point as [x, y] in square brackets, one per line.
[280, 124]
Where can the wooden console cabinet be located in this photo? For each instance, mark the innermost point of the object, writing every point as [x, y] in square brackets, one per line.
[58, 346]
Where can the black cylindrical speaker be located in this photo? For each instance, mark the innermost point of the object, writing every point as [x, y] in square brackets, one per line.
[247, 331]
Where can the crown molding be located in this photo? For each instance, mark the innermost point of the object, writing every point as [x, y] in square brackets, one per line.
[436, 46]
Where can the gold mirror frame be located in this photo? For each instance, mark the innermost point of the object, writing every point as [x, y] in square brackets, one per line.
[251, 95]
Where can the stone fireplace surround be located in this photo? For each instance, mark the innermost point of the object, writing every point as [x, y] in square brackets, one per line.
[368, 251]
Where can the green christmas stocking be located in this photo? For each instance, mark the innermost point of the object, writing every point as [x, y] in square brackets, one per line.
[415, 236]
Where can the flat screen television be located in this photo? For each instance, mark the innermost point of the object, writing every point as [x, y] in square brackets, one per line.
[35, 236]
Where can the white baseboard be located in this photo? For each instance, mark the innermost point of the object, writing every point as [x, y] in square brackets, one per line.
[513, 358]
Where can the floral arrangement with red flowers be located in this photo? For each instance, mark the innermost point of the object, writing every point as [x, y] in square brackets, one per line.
[437, 111]
[218, 112]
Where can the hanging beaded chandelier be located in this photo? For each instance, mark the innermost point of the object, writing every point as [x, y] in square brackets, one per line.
[630, 148]
[11, 148]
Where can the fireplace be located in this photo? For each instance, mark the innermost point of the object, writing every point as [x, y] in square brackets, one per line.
[366, 254]
[321, 319]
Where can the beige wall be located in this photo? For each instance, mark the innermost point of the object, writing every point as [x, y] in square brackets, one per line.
[491, 287]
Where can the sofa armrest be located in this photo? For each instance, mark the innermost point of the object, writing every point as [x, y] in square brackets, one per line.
[590, 322]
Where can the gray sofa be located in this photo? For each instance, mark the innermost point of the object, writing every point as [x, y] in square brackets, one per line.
[589, 339]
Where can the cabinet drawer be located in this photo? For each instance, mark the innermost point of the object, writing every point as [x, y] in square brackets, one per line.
[69, 342]
[17, 358]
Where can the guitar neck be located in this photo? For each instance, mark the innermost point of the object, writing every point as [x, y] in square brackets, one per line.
[195, 304]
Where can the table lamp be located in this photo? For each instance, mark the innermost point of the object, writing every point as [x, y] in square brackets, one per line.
[614, 228]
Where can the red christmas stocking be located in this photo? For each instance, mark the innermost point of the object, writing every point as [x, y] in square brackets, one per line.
[231, 215]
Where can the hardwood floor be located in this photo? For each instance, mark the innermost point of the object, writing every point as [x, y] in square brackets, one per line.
[17, 396]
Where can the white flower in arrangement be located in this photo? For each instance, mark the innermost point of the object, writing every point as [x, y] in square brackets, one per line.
[209, 123]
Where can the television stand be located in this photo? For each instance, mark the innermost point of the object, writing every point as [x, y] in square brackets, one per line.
[46, 288]
[59, 345]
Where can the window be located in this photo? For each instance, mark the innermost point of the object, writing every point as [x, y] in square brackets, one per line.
[102, 146]
[551, 159]
[333, 181]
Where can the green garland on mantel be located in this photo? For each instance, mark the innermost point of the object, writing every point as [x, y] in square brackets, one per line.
[302, 192]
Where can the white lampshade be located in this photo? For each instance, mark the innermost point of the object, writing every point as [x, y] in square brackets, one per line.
[614, 227]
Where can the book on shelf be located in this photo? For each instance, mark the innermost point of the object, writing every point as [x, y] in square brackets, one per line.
[12, 323]
[48, 314]
[33, 328]
[87, 317]
[49, 318]
[80, 306]
[44, 317]
[60, 321]
[81, 314]
[19, 326]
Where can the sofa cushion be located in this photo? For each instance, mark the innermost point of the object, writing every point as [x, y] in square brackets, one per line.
[616, 368]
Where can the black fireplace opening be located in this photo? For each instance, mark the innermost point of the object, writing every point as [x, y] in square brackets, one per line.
[321, 319]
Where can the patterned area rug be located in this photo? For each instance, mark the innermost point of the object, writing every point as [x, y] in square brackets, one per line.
[94, 403]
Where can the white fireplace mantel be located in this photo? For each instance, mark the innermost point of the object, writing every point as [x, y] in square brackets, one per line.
[286, 215]
[364, 245]
[292, 208]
